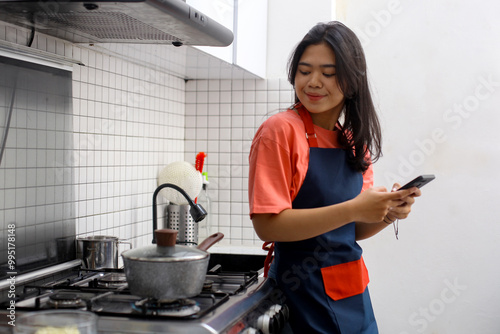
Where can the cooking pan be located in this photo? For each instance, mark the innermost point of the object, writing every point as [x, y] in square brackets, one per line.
[99, 251]
[166, 270]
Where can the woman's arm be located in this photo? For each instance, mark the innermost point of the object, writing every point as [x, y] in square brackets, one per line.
[300, 224]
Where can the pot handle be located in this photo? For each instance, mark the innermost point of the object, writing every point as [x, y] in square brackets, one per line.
[210, 241]
[125, 242]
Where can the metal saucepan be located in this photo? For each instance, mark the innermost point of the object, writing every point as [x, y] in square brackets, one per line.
[167, 270]
[99, 251]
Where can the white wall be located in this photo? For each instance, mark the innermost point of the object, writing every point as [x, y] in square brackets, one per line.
[435, 70]
[287, 22]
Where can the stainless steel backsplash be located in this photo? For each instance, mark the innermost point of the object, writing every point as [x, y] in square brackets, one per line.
[36, 198]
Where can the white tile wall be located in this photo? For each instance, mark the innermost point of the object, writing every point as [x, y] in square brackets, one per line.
[128, 122]
[132, 115]
[221, 119]
[125, 131]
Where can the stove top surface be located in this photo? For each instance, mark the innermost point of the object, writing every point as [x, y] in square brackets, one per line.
[106, 292]
[228, 300]
[232, 301]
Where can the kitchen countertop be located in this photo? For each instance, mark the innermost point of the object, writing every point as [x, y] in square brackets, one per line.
[230, 249]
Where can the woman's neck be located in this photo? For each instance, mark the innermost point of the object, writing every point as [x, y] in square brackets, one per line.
[326, 120]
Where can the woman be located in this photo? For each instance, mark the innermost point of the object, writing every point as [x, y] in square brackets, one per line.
[310, 185]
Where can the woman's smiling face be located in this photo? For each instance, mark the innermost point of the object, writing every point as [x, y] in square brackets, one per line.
[316, 85]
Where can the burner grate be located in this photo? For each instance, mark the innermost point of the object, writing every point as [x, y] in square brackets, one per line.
[66, 300]
[175, 308]
[105, 292]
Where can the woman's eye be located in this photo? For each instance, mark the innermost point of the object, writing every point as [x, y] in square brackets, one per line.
[327, 75]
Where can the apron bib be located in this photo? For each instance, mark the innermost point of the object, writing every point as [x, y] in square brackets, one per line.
[324, 279]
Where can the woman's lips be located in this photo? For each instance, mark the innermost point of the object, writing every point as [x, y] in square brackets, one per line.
[314, 97]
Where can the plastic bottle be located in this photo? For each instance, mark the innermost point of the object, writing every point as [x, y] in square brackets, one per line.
[204, 227]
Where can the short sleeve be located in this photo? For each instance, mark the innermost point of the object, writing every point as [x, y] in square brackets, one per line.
[368, 177]
[278, 161]
[270, 175]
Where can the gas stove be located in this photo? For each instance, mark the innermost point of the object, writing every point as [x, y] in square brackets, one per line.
[231, 302]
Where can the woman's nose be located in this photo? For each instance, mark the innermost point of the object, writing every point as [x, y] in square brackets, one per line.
[315, 80]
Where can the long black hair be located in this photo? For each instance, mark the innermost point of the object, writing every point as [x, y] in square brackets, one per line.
[361, 128]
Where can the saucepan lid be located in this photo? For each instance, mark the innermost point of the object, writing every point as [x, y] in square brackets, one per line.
[99, 238]
[167, 251]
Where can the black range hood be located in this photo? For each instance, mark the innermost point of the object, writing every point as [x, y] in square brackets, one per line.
[130, 21]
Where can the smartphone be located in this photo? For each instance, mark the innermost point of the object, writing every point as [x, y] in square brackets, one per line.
[419, 181]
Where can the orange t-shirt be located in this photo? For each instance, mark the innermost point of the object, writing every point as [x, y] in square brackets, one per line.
[279, 159]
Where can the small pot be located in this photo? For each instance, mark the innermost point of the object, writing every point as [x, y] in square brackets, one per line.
[99, 251]
[167, 270]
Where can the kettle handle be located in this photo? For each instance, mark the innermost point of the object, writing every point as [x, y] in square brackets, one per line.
[120, 241]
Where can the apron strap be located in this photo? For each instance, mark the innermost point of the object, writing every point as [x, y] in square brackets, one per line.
[269, 247]
[312, 139]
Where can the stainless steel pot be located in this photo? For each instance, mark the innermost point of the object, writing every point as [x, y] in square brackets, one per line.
[167, 270]
[99, 251]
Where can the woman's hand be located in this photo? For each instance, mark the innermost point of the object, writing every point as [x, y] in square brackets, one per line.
[382, 207]
[372, 205]
[402, 210]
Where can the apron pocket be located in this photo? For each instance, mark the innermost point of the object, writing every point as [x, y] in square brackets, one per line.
[345, 279]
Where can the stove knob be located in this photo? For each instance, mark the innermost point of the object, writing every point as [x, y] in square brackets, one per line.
[286, 312]
[279, 313]
[275, 308]
[273, 320]
[266, 324]
[279, 321]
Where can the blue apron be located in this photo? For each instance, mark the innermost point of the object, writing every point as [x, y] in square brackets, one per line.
[324, 278]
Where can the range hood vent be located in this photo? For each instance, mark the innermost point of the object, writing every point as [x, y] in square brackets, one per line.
[142, 21]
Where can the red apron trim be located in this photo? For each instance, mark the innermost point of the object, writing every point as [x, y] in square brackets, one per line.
[308, 123]
[269, 247]
[345, 279]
